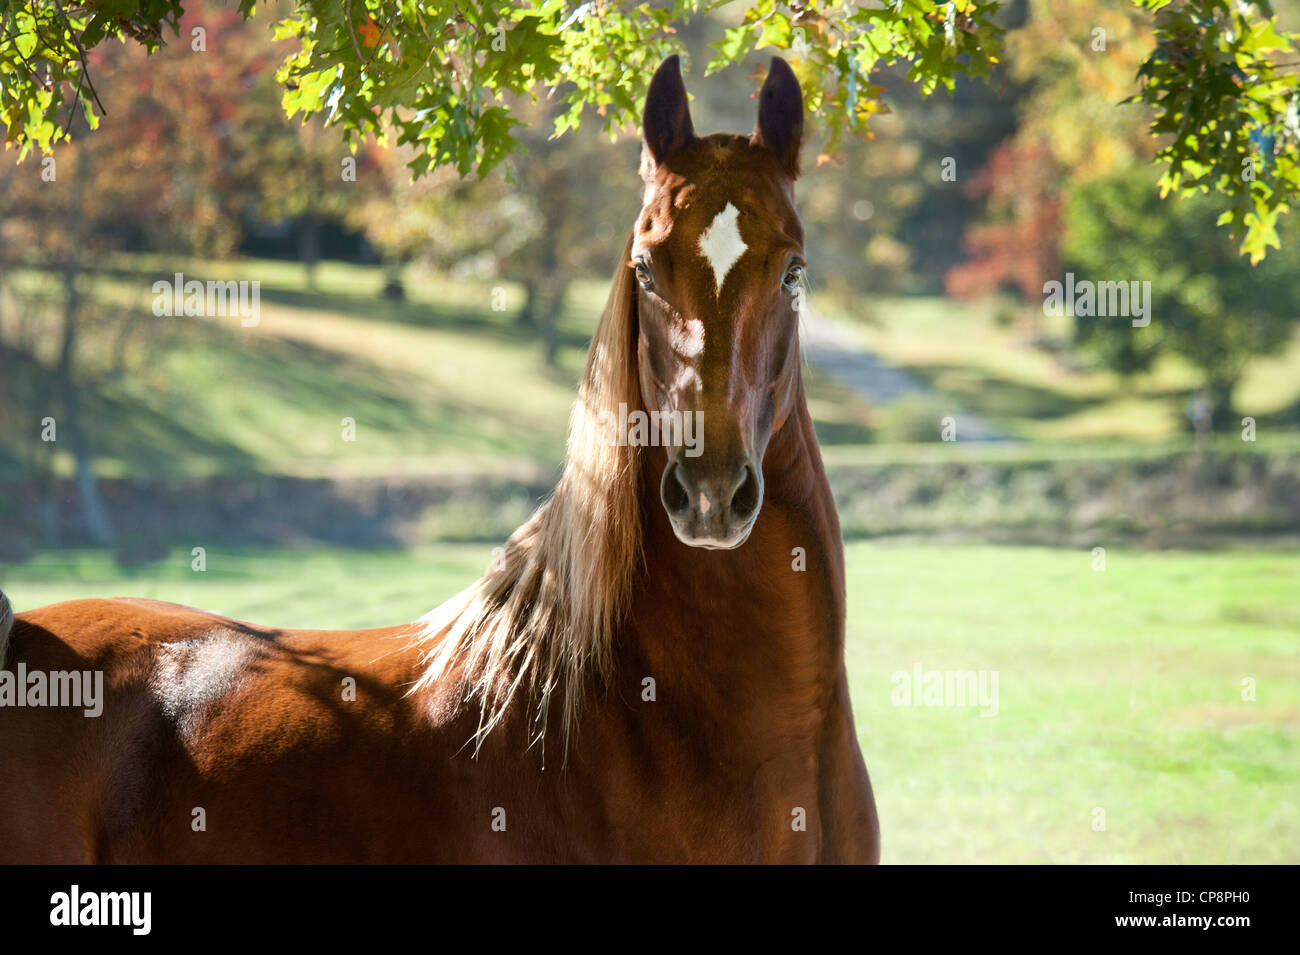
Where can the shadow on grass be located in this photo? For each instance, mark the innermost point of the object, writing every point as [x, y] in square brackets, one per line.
[995, 397]
[371, 305]
[208, 398]
[1288, 417]
[500, 326]
[843, 432]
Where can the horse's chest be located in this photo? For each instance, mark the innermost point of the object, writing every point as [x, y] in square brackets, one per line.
[707, 748]
[742, 811]
[678, 787]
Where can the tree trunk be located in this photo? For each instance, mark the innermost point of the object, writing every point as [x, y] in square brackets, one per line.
[1221, 396]
[49, 504]
[309, 247]
[92, 509]
[550, 322]
[551, 280]
[532, 306]
[394, 286]
[42, 458]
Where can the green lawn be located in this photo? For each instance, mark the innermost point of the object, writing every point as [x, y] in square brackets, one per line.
[1118, 690]
[440, 383]
[982, 357]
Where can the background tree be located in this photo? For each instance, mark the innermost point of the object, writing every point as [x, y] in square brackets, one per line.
[1208, 305]
[441, 75]
[555, 210]
[302, 174]
[1072, 64]
[166, 175]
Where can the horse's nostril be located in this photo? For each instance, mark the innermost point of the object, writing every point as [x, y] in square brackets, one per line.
[711, 502]
[745, 499]
[677, 501]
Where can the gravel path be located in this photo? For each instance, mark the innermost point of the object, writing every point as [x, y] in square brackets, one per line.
[836, 351]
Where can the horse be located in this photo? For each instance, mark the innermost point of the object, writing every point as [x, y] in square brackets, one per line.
[651, 670]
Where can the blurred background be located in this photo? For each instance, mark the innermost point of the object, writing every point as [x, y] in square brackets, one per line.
[1114, 528]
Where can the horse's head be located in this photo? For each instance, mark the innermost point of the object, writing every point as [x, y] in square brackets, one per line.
[718, 254]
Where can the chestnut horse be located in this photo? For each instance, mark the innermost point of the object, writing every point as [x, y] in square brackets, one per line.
[652, 670]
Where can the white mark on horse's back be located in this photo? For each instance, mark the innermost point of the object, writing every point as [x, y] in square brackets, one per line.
[190, 674]
[721, 243]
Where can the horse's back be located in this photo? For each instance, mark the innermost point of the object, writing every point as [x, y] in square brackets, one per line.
[182, 717]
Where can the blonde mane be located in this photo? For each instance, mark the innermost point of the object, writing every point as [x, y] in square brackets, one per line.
[541, 620]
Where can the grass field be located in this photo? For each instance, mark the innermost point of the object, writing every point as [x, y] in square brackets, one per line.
[441, 383]
[1118, 691]
[980, 357]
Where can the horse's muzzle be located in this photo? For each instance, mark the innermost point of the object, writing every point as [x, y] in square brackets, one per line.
[711, 508]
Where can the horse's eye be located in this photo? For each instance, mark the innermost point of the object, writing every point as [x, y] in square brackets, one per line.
[792, 276]
[643, 276]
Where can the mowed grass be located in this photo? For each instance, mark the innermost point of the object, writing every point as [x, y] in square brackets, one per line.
[1119, 691]
[438, 383]
[446, 381]
[982, 357]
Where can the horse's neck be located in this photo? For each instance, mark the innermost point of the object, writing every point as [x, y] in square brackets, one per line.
[770, 611]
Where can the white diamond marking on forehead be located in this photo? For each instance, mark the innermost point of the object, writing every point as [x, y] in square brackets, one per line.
[722, 245]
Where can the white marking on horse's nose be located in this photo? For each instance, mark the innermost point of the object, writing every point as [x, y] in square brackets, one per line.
[722, 244]
[704, 504]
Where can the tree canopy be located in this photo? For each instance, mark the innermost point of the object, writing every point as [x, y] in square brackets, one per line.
[1216, 311]
[448, 78]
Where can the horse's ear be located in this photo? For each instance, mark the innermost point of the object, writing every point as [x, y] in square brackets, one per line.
[780, 115]
[667, 119]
